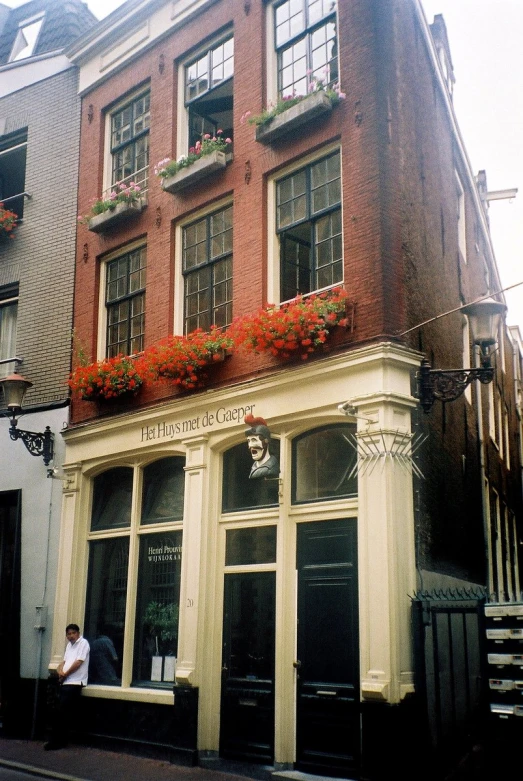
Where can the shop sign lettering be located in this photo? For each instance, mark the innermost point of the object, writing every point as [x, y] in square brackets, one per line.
[166, 430]
[164, 552]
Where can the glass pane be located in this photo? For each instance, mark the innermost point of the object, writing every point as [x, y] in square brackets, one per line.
[238, 491]
[112, 494]
[105, 608]
[163, 490]
[250, 546]
[322, 463]
[157, 609]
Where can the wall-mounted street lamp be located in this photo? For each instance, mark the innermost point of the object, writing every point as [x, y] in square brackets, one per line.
[448, 384]
[14, 387]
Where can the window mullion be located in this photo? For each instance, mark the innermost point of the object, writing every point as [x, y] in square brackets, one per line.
[132, 582]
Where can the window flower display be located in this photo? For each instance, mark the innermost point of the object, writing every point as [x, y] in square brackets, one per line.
[8, 220]
[121, 193]
[297, 328]
[209, 144]
[108, 379]
[185, 360]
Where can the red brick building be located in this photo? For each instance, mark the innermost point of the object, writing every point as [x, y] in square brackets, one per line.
[280, 608]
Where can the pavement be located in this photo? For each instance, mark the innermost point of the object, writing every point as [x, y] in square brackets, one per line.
[83, 763]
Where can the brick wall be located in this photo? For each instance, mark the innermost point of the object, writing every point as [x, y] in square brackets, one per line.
[41, 257]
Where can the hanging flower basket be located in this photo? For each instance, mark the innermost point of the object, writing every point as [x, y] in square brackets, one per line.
[297, 328]
[185, 360]
[107, 380]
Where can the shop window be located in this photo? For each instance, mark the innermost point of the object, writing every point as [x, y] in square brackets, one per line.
[128, 551]
[308, 225]
[238, 491]
[323, 462]
[209, 92]
[163, 488]
[207, 270]
[13, 153]
[26, 38]
[130, 141]
[8, 319]
[250, 546]
[306, 44]
[125, 302]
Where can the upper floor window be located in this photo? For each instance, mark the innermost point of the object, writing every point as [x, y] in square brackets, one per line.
[125, 302]
[208, 91]
[8, 318]
[26, 38]
[308, 224]
[130, 141]
[13, 152]
[306, 44]
[207, 270]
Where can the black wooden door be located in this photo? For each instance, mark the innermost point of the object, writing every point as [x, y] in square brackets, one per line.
[328, 731]
[247, 701]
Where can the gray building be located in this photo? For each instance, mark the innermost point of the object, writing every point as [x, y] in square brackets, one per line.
[39, 131]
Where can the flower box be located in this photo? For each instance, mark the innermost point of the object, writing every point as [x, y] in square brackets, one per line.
[288, 121]
[201, 168]
[112, 217]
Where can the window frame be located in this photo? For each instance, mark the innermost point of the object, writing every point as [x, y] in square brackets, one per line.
[15, 144]
[210, 263]
[183, 134]
[9, 297]
[32, 20]
[102, 342]
[273, 241]
[110, 112]
[308, 30]
[179, 284]
[135, 531]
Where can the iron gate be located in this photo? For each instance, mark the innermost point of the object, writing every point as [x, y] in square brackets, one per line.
[451, 679]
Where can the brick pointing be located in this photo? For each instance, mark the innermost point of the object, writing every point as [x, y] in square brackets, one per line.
[44, 247]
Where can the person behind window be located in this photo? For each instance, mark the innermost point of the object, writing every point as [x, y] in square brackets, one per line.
[103, 660]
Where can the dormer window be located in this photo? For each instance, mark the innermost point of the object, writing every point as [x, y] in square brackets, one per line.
[26, 38]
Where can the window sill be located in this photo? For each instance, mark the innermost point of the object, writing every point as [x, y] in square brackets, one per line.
[121, 213]
[202, 168]
[302, 113]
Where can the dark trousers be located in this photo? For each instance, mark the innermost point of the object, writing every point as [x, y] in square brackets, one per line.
[66, 713]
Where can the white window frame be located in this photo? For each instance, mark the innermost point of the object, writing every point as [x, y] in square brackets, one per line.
[179, 286]
[273, 244]
[108, 157]
[17, 52]
[9, 298]
[135, 530]
[182, 134]
[101, 343]
[466, 354]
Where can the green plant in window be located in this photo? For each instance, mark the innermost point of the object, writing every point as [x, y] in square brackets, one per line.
[121, 192]
[209, 144]
[286, 102]
[161, 621]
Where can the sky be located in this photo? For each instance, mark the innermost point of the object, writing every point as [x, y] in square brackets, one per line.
[485, 42]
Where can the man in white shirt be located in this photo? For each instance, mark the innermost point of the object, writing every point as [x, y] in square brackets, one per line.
[72, 675]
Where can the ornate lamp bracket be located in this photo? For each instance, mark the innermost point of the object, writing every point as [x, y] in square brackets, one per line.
[36, 443]
[447, 384]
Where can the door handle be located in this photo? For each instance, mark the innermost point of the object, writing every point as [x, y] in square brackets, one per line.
[296, 664]
[326, 694]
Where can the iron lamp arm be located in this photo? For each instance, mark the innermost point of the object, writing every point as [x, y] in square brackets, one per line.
[37, 444]
[448, 384]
